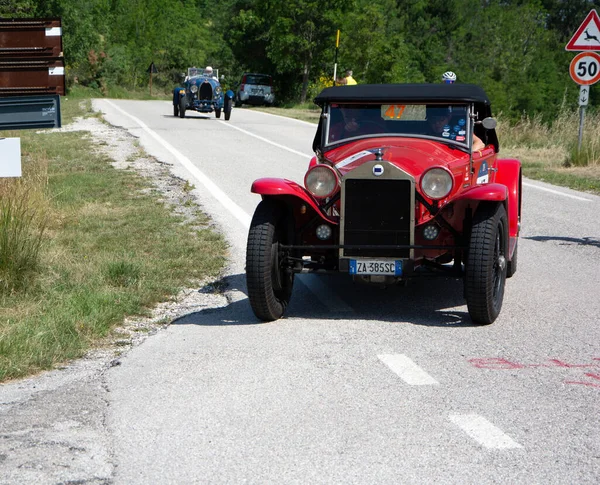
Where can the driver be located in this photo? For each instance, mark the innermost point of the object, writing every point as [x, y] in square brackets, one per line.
[208, 72]
[346, 126]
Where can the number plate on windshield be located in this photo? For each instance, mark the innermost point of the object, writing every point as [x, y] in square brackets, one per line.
[367, 266]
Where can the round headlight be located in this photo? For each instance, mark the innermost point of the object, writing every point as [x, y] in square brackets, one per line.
[218, 91]
[194, 88]
[436, 183]
[321, 181]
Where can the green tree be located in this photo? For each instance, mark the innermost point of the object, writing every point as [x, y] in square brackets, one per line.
[299, 33]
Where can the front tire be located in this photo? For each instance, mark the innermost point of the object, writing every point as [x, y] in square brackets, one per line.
[175, 110]
[182, 107]
[227, 109]
[486, 266]
[269, 279]
[218, 112]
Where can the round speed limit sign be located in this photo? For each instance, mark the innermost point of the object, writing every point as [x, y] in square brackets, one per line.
[585, 68]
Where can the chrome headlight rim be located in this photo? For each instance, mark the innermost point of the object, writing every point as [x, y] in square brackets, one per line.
[218, 91]
[322, 181]
[437, 183]
[194, 88]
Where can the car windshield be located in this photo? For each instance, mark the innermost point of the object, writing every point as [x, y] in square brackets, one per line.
[195, 71]
[263, 80]
[448, 122]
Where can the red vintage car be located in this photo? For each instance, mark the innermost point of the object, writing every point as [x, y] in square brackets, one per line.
[396, 190]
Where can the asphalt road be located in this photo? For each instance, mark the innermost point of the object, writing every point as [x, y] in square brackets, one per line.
[357, 384]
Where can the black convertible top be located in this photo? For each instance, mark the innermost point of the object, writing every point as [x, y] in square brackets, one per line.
[411, 93]
[403, 92]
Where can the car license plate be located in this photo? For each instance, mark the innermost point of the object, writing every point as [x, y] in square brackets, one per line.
[368, 266]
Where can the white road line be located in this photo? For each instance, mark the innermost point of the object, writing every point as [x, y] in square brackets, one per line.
[525, 184]
[283, 147]
[408, 371]
[313, 124]
[217, 193]
[316, 286]
[484, 432]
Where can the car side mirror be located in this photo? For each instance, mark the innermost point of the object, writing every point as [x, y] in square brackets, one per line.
[489, 123]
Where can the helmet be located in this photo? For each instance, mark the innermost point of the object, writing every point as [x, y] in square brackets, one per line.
[448, 77]
[208, 70]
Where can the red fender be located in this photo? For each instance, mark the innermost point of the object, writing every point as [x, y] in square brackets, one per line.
[272, 187]
[492, 192]
[509, 174]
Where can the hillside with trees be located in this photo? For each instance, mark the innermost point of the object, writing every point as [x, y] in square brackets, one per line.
[513, 48]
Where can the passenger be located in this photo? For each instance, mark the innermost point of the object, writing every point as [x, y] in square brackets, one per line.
[440, 124]
[448, 77]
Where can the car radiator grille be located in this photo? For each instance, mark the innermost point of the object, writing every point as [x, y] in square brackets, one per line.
[377, 212]
[205, 91]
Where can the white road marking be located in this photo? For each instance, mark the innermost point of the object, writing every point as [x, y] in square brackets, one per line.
[525, 184]
[408, 371]
[315, 285]
[283, 147]
[217, 193]
[484, 432]
[314, 124]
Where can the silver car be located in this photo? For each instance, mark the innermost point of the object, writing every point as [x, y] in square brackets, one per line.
[256, 89]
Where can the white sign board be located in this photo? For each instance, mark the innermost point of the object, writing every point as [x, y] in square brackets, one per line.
[585, 68]
[10, 157]
[587, 36]
[584, 95]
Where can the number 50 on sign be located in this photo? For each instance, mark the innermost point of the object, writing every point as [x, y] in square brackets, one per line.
[585, 68]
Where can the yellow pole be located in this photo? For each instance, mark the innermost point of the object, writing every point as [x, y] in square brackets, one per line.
[337, 45]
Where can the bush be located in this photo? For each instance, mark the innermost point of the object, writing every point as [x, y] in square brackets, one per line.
[22, 224]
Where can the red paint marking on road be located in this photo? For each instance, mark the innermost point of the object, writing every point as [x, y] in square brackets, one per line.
[498, 363]
[495, 363]
[560, 363]
[583, 383]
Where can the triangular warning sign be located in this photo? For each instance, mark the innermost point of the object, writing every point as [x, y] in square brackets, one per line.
[587, 37]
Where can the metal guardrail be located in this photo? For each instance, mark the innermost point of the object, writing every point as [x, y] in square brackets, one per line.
[30, 112]
[32, 73]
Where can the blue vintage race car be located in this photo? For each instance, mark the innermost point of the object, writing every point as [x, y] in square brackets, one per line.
[202, 92]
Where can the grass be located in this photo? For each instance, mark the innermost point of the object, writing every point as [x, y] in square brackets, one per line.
[105, 249]
[551, 152]
[548, 152]
[117, 92]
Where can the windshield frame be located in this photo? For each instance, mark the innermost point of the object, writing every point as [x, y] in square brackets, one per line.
[332, 116]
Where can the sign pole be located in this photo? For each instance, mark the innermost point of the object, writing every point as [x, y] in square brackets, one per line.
[337, 45]
[581, 119]
[584, 96]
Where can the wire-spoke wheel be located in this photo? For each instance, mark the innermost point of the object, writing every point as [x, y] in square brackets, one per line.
[268, 276]
[486, 266]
